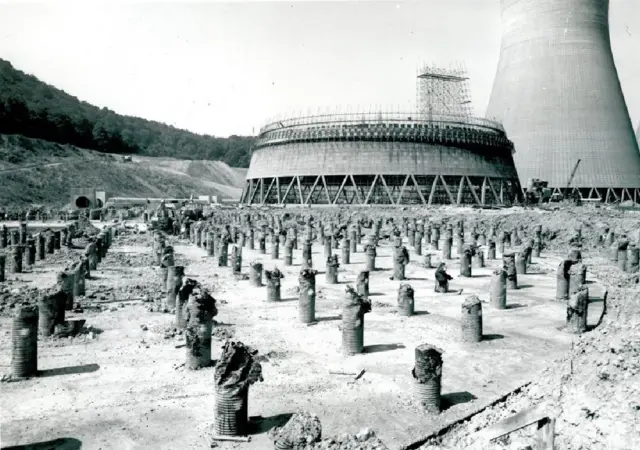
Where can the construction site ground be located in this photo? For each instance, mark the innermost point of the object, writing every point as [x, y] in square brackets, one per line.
[122, 385]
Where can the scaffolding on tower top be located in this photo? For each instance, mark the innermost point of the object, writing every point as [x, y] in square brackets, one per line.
[443, 91]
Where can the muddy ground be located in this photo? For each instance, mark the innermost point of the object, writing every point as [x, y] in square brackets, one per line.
[121, 385]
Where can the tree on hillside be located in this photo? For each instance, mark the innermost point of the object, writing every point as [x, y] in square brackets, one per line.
[34, 109]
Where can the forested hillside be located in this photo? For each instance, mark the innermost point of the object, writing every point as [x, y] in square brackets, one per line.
[35, 109]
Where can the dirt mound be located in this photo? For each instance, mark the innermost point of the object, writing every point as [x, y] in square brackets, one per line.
[593, 391]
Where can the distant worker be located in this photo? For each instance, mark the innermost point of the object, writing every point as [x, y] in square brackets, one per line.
[442, 279]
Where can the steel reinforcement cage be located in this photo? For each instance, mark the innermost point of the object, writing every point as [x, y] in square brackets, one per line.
[479, 148]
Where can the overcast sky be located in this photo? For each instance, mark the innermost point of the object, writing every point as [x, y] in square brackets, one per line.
[224, 68]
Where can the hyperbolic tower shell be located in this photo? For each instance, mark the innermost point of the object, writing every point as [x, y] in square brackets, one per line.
[382, 158]
[559, 98]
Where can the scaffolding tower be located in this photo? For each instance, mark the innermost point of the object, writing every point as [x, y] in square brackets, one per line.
[443, 91]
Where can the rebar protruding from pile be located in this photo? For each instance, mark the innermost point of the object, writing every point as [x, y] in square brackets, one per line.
[174, 282]
[273, 278]
[199, 313]
[24, 342]
[236, 259]
[406, 303]
[465, 261]
[307, 295]
[236, 370]
[577, 309]
[51, 311]
[509, 262]
[498, 296]
[427, 375]
[354, 308]
[362, 283]
[471, 319]
[370, 251]
[188, 285]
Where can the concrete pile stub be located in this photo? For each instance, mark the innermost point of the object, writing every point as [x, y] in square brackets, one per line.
[51, 309]
[16, 258]
[362, 283]
[307, 295]
[354, 307]
[332, 269]
[498, 297]
[273, 278]
[24, 342]
[185, 291]
[236, 370]
[175, 275]
[199, 313]
[509, 262]
[465, 261]
[236, 259]
[406, 302]
[400, 261]
[427, 375]
[471, 320]
[577, 309]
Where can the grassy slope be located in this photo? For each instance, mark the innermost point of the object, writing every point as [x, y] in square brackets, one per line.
[73, 167]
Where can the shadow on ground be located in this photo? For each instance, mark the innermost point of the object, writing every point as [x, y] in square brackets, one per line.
[86, 368]
[56, 444]
[455, 398]
[259, 424]
[381, 348]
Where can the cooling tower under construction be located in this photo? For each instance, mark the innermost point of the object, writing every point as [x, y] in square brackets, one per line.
[558, 95]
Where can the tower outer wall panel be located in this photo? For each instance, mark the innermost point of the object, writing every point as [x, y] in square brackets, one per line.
[365, 158]
[558, 95]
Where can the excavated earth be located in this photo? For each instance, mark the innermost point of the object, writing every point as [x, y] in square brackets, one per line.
[121, 383]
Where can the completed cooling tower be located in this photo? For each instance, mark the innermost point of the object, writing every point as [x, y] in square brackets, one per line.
[558, 96]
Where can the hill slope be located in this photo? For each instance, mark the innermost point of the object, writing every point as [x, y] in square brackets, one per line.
[35, 109]
[34, 171]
